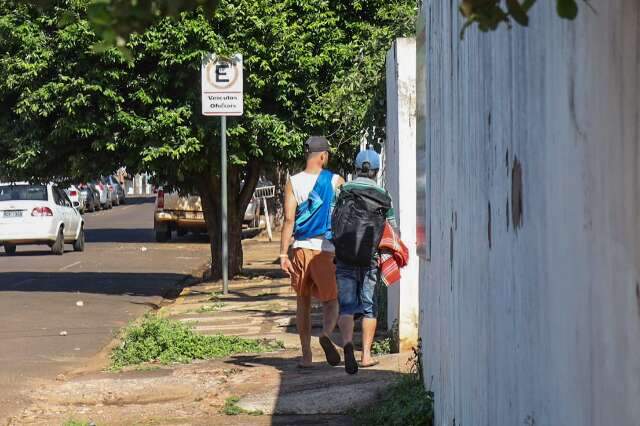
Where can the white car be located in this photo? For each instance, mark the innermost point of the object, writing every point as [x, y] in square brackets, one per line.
[105, 196]
[38, 214]
[77, 197]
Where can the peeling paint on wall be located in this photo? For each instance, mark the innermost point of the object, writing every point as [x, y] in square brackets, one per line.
[489, 225]
[638, 296]
[507, 215]
[451, 255]
[517, 195]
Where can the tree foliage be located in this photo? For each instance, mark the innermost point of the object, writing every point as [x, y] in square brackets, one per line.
[115, 20]
[309, 69]
[60, 99]
[489, 14]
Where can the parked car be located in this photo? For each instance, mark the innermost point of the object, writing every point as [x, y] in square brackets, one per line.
[184, 213]
[104, 194]
[77, 197]
[118, 189]
[177, 213]
[112, 193]
[38, 214]
[91, 197]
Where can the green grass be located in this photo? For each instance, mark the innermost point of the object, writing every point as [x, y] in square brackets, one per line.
[231, 408]
[169, 341]
[216, 306]
[215, 295]
[406, 403]
[75, 423]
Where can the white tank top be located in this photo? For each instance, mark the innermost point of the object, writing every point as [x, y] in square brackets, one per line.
[302, 184]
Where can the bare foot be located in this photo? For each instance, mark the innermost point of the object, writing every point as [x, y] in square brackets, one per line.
[306, 361]
[368, 362]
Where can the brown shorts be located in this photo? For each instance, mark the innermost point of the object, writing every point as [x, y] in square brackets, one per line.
[314, 274]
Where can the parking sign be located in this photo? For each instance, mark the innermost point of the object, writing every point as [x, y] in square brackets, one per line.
[222, 85]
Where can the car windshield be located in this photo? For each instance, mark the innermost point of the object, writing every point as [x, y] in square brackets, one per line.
[23, 193]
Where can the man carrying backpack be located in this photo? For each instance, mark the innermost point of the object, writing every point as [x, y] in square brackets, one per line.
[360, 214]
[307, 210]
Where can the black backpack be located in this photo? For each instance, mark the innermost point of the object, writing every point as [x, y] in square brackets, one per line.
[357, 224]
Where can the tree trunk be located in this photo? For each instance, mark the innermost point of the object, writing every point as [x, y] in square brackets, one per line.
[239, 196]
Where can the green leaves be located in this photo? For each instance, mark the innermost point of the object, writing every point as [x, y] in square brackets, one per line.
[60, 99]
[115, 20]
[72, 109]
[567, 9]
[489, 14]
[517, 12]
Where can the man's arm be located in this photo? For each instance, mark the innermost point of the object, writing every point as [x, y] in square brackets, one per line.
[290, 206]
[391, 217]
[336, 191]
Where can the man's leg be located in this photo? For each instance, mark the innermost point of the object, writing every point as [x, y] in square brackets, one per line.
[346, 324]
[346, 330]
[369, 322]
[323, 273]
[303, 324]
[329, 317]
[347, 278]
[368, 332]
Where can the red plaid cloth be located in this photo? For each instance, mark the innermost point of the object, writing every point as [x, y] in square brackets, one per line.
[393, 256]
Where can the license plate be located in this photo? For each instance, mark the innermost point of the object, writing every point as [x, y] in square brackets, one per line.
[13, 213]
[192, 215]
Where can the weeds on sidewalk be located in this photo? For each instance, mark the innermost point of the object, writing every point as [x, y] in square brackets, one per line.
[77, 423]
[212, 307]
[389, 344]
[382, 346]
[231, 408]
[167, 341]
[406, 403]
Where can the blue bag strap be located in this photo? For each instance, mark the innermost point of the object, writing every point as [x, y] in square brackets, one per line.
[312, 216]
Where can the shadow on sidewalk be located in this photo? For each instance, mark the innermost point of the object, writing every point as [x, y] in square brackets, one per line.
[111, 283]
[320, 390]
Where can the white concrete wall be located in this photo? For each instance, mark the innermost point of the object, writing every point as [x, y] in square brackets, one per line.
[530, 310]
[400, 171]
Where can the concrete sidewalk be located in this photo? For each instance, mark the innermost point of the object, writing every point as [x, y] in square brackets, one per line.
[269, 386]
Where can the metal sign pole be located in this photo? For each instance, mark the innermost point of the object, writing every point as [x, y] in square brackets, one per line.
[223, 175]
[222, 95]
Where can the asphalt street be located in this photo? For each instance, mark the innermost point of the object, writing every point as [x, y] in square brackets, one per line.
[122, 274]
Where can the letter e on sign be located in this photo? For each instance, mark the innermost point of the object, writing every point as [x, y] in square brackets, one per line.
[222, 85]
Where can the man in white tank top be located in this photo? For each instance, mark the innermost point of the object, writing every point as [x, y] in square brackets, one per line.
[311, 266]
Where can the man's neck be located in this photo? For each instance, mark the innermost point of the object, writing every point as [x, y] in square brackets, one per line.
[313, 170]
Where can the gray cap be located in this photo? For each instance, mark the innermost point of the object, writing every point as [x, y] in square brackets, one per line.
[316, 144]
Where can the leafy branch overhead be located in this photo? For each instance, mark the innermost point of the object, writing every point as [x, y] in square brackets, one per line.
[489, 14]
[115, 20]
